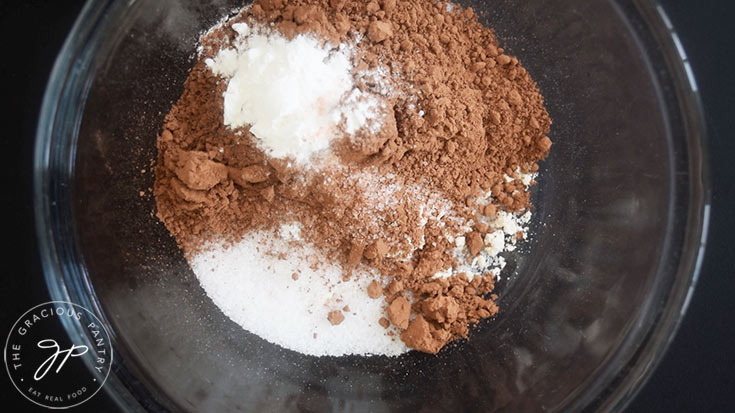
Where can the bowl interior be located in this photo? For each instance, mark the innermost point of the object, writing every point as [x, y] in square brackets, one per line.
[575, 301]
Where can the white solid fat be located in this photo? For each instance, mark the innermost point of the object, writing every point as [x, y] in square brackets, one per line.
[254, 287]
[292, 93]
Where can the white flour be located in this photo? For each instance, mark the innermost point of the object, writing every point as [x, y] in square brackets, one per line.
[294, 94]
[502, 237]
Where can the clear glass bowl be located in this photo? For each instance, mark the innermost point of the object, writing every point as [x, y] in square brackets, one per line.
[622, 208]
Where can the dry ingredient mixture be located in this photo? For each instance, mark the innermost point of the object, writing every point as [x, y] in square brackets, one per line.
[343, 175]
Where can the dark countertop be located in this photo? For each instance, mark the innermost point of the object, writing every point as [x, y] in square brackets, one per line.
[696, 374]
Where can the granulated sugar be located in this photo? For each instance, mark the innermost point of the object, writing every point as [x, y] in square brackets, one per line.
[253, 283]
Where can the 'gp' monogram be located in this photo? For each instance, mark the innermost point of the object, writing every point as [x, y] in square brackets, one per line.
[49, 362]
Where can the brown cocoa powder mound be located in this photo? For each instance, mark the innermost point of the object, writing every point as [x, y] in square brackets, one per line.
[466, 115]
[484, 116]
[453, 303]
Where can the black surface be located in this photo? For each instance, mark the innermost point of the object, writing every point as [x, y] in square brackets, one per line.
[32, 32]
[696, 373]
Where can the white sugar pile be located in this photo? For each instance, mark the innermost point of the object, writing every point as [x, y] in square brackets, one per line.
[294, 94]
[252, 282]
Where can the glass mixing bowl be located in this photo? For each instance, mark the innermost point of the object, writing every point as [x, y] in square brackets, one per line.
[621, 216]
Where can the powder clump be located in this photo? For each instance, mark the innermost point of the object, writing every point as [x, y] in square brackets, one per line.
[335, 317]
[399, 312]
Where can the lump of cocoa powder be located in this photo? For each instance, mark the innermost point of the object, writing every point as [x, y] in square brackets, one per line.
[335, 317]
[424, 336]
[376, 250]
[197, 171]
[474, 242]
[251, 174]
[399, 312]
[441, 309]
[393, 288]
[379, 31]
[374, 290]
[355, 253]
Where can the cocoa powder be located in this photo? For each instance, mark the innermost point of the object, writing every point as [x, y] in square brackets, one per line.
[336, 317]
[464, 115]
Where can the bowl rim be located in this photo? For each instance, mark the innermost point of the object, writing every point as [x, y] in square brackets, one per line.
[58, 129]
[631, 378]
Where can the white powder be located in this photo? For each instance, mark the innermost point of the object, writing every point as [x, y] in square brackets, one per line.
[495, 242]
[360, 110]
[254, 287]
[502, 237]
[294, 94]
